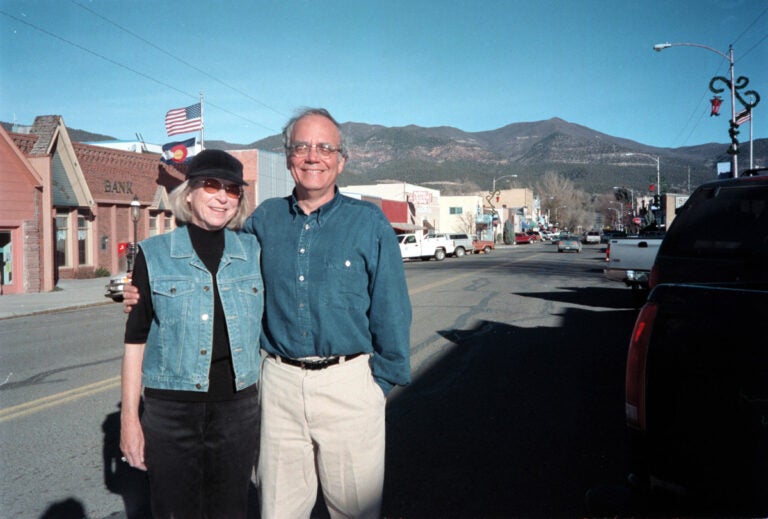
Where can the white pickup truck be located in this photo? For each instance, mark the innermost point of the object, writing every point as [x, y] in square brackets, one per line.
[630, 261]
[417, 246]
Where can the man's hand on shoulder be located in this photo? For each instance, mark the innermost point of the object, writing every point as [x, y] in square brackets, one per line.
[130, 297]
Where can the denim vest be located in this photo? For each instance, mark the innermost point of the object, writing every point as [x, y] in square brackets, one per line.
[178, 350]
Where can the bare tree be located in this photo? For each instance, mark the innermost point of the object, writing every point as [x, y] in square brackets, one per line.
[467, 223]
[566, 205]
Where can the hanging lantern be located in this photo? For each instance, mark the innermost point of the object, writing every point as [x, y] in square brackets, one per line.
[715, 102]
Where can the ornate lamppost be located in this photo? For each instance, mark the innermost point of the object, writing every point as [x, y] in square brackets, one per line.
[135, 207]
[494, 195]
[734, 85]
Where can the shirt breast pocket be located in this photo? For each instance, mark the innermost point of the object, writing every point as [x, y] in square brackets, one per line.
[346, 283]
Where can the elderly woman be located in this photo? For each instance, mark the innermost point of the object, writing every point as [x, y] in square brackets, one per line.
[192, 342]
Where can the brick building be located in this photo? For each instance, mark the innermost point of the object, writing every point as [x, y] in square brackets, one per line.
[65, 207]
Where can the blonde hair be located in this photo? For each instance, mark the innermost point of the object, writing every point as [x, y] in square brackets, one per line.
[183, 213]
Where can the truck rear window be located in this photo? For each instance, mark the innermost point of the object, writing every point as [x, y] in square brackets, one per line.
[720, 221]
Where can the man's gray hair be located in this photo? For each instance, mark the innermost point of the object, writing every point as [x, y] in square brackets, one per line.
[322, 112]
[177, 200]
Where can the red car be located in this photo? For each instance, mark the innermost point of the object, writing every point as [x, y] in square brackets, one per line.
[521, 238]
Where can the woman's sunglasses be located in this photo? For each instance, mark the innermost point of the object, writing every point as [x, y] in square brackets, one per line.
[213, 186]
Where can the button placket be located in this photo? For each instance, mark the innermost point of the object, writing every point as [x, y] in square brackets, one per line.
[302, 289]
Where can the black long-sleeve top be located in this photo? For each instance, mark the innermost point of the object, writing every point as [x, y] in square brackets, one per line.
[209, 246]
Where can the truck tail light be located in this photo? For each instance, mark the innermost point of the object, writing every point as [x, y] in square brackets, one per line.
[608, 252]
[634, 401]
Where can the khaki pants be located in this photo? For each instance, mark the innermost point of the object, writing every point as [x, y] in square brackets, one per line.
[326, 424]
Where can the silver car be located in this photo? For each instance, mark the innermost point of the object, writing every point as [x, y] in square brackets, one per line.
[116, 285]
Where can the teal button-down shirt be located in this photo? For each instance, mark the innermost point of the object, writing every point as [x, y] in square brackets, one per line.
[334, 284]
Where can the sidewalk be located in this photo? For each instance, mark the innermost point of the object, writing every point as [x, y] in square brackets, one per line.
[69, 293]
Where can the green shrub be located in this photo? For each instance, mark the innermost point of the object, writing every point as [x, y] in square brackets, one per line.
[101, 272]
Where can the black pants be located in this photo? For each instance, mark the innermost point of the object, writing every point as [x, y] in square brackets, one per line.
[200, 457]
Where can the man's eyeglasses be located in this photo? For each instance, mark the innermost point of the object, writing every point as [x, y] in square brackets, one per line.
[213, 186]
[301, 149]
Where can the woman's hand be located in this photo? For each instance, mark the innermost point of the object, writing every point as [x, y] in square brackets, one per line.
[132, 442]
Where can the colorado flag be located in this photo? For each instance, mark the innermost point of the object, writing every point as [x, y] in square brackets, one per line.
[179, 152]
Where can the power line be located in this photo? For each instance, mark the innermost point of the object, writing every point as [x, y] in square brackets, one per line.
[750, 25]
[706, 92]
[137, 72]
[180, 60]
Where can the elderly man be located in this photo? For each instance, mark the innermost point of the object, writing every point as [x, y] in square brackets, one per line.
[336, 333]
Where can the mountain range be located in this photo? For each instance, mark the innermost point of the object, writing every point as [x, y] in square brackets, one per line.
[458, 162]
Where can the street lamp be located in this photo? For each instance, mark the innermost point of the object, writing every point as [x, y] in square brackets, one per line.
[495, 195]
[658, 169]
[500, 178]
[135, 207]
[632, 201]
[618, 221]
[619, 214]
[743, 82]
[557, 221]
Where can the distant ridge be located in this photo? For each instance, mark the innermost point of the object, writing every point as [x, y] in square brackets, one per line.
[594, 161]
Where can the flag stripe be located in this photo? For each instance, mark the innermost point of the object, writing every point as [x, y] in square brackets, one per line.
[184, 120]
[743, 116]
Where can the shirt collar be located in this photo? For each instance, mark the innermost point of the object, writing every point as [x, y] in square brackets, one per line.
[321, 213]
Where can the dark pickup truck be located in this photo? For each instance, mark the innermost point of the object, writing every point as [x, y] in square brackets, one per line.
[697, 366]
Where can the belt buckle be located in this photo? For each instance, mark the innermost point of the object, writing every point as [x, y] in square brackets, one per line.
[312, 364]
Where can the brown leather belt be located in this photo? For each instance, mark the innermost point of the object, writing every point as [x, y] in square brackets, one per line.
[315, 364]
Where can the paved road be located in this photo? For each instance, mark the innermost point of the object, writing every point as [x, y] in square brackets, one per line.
[516, 408]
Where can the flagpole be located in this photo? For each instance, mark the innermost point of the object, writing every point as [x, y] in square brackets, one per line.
[751, 122]
[202, 124]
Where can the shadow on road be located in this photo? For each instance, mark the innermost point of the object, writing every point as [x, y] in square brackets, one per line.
[515, 421]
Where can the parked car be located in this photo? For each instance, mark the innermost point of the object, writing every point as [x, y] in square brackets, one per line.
[568, 242]
[484, 246]
[591, 237]
[413, 246]
[535, 235]
[547, 235]
[462, 244]
[522, 238]
[116, 285]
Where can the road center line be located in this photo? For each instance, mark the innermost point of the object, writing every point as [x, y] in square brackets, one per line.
[47, 402]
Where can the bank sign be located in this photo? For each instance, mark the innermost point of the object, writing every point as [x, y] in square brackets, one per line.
[118, 187]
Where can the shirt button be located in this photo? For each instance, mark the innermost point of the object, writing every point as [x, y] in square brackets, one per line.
[347, 263]
[301, 305]
[301, 250]
[301, 278]
[206, 288]
[199, 386]
[203, 352]
[306, 226]
[205, 317]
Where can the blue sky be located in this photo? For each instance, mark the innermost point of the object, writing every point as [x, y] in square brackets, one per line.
[116, 67]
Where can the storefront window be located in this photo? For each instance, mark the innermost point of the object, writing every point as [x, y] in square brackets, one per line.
[83, 232]
[6, 257]
[153, 218]
[62, 233]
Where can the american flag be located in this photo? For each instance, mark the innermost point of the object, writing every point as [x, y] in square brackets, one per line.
[743, 116]
[184, 120]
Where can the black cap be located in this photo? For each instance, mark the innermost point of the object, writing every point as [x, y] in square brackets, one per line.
[216, 164]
